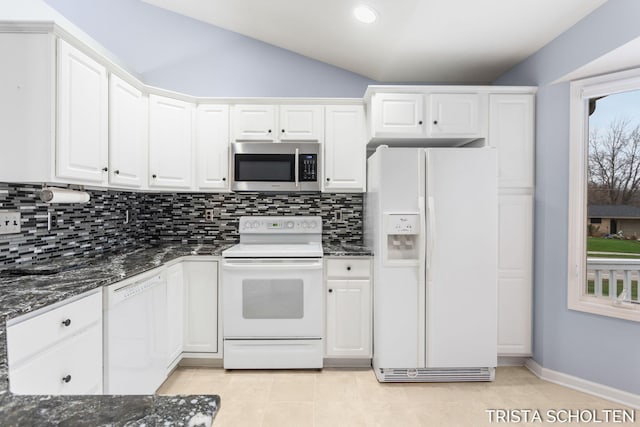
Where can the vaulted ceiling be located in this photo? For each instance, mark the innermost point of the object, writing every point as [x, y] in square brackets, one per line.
[435, 41]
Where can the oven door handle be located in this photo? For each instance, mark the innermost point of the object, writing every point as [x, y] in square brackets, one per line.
[230, 265]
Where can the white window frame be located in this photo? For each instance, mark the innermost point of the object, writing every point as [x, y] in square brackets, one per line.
[581, 91]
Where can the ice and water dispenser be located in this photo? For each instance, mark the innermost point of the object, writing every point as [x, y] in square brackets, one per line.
[401, 238]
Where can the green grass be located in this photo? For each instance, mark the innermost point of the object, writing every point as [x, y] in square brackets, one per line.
[605, 288]
[597, 244]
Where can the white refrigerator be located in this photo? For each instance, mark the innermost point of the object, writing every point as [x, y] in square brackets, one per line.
[431, 219]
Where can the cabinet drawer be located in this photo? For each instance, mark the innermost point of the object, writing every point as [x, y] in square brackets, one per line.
[346, 267]
[36, 333]
[71, 367]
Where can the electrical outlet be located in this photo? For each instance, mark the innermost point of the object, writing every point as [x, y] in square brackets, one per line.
[10, 222]
[209, 215]
[52, 221]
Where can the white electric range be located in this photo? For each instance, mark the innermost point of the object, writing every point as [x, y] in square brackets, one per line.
[272, 294]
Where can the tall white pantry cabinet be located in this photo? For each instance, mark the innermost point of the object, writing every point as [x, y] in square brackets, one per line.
[511, 131]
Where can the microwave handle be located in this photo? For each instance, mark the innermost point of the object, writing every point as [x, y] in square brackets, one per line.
[297, 167]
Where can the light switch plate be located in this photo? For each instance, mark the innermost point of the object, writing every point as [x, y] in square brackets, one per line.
[9, 222]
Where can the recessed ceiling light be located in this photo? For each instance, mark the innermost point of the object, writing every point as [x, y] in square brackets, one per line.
[365, 14]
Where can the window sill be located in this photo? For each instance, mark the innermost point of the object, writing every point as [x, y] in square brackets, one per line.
[606, 307]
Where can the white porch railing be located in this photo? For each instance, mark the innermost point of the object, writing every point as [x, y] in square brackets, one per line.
[613, 278]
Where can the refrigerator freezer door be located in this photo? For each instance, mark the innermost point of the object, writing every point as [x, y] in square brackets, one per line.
[395, 182]
[461, 187]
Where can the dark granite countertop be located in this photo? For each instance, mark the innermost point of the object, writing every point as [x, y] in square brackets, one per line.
[64, 278]
[23, 294]
[346, 250]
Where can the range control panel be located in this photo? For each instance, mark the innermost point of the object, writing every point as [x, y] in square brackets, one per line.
[280, 224]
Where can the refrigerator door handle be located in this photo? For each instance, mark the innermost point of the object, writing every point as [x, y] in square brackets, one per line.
[422, 287]
[431, 218]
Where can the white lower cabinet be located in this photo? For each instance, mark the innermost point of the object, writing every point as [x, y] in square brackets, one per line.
[175, 314]
[71, 367]
[57, 350]
[201, 308]
[348, 308]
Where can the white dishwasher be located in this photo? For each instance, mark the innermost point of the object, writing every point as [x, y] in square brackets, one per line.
[135, 328]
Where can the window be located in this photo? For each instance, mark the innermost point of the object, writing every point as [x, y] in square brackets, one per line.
[604, 193]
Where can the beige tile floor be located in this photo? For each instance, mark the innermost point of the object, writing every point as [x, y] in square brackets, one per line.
[337, 397]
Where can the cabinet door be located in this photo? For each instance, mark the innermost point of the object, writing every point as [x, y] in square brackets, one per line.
[201, 307]
[254, 123]
[127, 134]
[515, 242]
[345, 149]
[511, 132]
[169, 142]
[300, 123]
[175, 313]
[72, 366]
[81, 146]
[454, 115]
[397, 114]
[348, 318]
[212, 146]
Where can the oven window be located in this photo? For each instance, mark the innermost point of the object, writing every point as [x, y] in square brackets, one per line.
[272, 299]
[265, 167]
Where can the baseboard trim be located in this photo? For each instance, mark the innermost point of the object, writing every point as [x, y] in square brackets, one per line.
[346, 363]
[192, 362]
[613, 394]
[512, 360]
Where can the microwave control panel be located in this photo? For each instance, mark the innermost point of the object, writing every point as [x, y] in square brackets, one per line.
[308, 167]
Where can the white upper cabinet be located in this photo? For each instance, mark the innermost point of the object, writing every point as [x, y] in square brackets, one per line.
[82, 114]
[454, 115]
[212, 146]
[170, 134]
[300, 123]
[427, 115]
[274, 123]
[397, 114]
[345, 149]
[254, 123]
[511, 121]
[127, 134]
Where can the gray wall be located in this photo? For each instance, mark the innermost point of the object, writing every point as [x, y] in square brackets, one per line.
[596, 348]
[178, 53]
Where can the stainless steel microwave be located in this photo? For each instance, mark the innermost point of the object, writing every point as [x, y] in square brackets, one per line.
[269, 166]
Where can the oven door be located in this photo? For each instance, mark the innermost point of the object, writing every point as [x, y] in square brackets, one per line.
[272, 298]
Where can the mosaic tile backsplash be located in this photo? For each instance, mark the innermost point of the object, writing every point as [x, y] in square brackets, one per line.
[99, 226]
